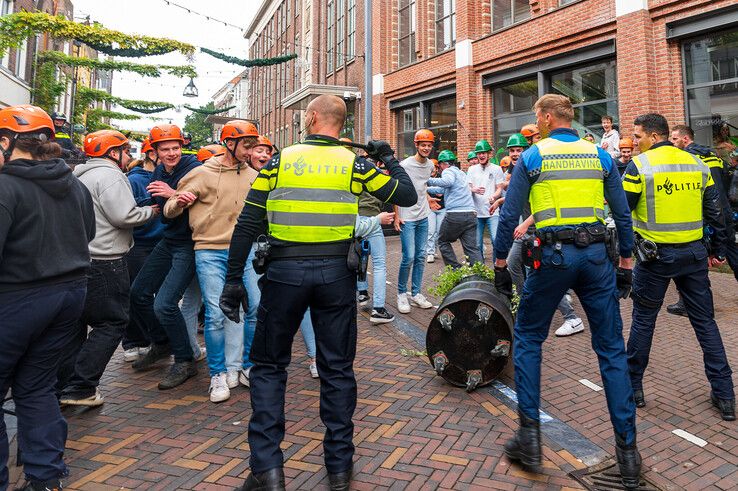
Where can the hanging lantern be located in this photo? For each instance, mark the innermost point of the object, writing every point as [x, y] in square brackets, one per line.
[190, 90]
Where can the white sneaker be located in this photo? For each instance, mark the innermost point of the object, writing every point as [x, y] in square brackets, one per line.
[402, 304]
[130, 355]
[431, 258]
[202, 355]
[243, 377]
[314, 369]
[219, 390]
[570, 326]
[420, 301]
[232, 379]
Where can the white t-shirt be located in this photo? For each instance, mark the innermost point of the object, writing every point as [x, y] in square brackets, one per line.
[489, 177]
[419, 175]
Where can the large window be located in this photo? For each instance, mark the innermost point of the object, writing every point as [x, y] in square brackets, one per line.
[407, 32]
[445, 24]
[341, 32]
[711, 85]
[508, 12]
[437, 115]
[513, 108]
[351, 41]
[331, 36]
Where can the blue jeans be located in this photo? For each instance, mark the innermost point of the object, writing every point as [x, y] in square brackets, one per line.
[167, 273]
[379, 269]
[413, 236]
[435, 220]
[191, 303]
[491, 224]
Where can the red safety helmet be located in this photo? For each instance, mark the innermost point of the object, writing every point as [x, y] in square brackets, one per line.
[424, 136]
[26, 119]
[238, 129]
[98, 144]
[209, 151]
[164, 133]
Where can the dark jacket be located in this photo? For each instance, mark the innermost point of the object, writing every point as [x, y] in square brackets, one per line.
[175, 228]
[46, 221]
[153, 231]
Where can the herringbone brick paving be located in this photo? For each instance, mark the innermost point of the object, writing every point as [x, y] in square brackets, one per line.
[413, 431]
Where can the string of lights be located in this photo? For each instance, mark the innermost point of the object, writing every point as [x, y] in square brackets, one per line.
[205, 16]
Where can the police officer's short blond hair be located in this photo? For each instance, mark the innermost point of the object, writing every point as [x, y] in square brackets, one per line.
[558, 106]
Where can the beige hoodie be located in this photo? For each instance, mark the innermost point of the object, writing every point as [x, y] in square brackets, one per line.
[220, 193]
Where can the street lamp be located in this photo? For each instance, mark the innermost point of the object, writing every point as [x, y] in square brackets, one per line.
[190, 90]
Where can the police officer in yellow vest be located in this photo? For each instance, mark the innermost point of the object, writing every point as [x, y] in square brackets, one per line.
[672, 195]
[309, 194]
[187, 147]
[61, 136]
[566, 180]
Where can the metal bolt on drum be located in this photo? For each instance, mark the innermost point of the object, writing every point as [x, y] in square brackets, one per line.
[469, 339]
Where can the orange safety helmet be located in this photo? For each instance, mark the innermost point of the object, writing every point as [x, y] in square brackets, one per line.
[146, 146]
[626, 143]
[424, 136]
[165, 133]
[209, 151]
[264, 141]
[98, 144]
[238, 129]
[529, 130]
[505, 162]
[26, 119]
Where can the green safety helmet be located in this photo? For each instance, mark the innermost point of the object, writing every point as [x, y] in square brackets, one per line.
[471, 155]
[446, 156]
[517, 140]
[499, 155]
[482, 146]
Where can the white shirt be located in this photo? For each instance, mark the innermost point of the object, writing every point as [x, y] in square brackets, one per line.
[612, 138]
[488, 176]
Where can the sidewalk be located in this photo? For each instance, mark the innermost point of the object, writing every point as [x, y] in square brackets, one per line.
[414, 431]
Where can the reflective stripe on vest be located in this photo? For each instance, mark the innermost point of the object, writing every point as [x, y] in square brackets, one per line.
[62, 136]
[569, 189]
[312, 200]
[670, 208]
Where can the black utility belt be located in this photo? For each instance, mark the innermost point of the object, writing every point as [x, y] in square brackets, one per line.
[306, 251]
[579, 236]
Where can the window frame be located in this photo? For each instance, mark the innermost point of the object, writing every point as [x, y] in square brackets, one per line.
[451, 17]
[513, 21]
[409, 6]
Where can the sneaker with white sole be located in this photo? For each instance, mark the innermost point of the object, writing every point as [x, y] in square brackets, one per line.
[402, 303]
[381, 316]
[431, 258]
[202, 355]
[72, 399]
[243, 376]
[130, 355]
[420, 301]
[570, 326]
[363, 297]
[232, 379]
[314, 369]
[219, 390]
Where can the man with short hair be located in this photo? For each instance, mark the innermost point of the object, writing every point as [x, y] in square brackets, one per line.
[610, 138]
[472, 158]
[169, 269]
[626, 155]
[108, 284]
[484, 180]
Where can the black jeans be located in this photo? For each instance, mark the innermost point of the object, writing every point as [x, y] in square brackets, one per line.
[459, 225]
[290, 286]
[106, 313]
[135, 335]
[36, 324]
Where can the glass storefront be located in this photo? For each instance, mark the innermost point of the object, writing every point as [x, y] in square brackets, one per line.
[711, 88]
[513, 105]
[437, 115]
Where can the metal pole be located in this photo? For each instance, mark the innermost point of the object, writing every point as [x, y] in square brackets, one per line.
[71, 112]
[368, 70]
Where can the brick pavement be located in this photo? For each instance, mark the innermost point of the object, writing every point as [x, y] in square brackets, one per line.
[413, 431]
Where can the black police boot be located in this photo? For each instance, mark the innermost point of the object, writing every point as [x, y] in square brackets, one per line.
[725, 406]
[639, 398]
[271, 480]
[629, 462]
[525, 446]
[52, 485]
[178, 374]
[677, 308]
[156, 352]
[340, 481]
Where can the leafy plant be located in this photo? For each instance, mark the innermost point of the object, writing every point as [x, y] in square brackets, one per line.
[201, 130]
[449, 278]
[46, 88]
[60, 58]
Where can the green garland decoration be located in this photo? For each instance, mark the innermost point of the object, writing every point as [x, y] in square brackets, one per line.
[201, 110]
[46, 88]
[146, 110]
[60, 58]
[16, 28]
[104, 113]
[86, 96]
[249, 63]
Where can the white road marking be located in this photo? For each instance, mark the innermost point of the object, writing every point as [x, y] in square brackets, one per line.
[590, 384]
[690, 437]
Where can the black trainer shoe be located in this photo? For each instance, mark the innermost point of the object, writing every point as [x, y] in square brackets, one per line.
[639, 398]
[677, 308]
[178, 374]
[381, 316]
[156, 353]
[629, 462]
[52, 485]
[340, 481]
[525, 446]
[363, 297]
[271, 480]
[725, 406]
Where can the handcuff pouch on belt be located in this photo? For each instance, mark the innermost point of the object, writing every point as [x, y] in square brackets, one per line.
[358, 257]
[261, 254]
[645, 250]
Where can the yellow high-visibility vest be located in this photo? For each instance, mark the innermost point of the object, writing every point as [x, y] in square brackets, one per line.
[569, 189]
[672, 183]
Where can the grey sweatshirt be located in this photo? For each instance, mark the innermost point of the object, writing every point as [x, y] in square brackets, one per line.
[116, 213]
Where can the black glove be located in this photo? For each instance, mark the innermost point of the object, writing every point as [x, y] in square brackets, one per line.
[503, 281]
[232, 299]
[379, 150]
[624, 281]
